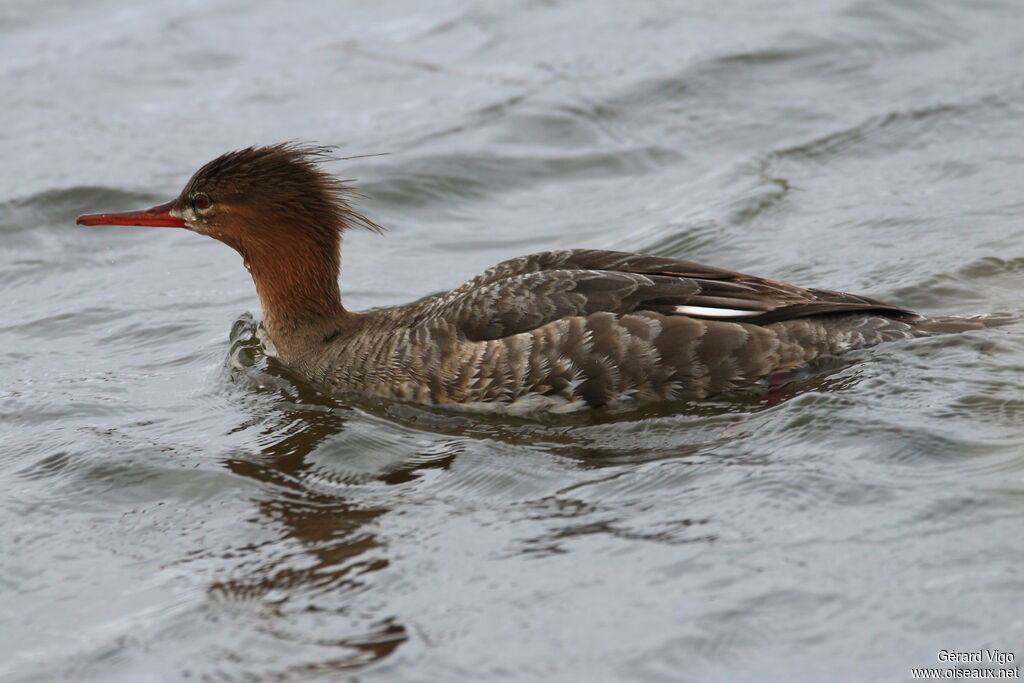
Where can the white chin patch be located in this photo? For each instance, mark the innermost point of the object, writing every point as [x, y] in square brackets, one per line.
[188, 215]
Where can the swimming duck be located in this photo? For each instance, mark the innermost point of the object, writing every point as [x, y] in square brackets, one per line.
[555, 330]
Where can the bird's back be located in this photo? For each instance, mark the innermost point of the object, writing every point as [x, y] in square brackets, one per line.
[569, 329]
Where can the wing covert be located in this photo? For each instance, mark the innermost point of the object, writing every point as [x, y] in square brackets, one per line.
[522, 294]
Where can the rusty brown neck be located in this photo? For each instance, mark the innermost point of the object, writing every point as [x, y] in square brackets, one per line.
[297, 283]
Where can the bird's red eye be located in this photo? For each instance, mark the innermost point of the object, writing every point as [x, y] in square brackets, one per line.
[201, 201]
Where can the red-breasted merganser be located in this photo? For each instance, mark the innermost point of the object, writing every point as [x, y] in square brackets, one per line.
[556, 330]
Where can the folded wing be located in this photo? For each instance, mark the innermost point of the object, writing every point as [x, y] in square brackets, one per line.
[524, 293]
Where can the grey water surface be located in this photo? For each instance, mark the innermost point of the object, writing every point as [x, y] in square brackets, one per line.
[174, 506]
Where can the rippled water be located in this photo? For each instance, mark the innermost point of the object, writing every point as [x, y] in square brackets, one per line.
[173, 505]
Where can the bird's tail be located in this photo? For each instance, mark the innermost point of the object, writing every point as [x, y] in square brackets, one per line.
[927, 327]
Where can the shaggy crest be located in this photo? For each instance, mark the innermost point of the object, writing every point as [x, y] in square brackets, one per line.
[284, 177]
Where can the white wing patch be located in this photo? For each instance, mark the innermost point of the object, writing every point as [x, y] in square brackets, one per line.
[709, 312]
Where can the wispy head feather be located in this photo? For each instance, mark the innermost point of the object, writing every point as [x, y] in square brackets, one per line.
[284, 178]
